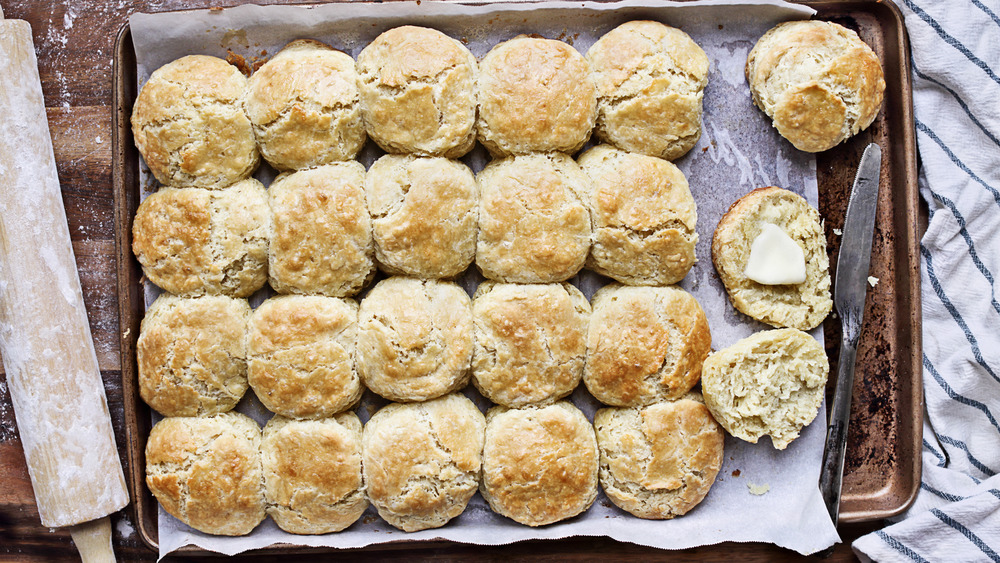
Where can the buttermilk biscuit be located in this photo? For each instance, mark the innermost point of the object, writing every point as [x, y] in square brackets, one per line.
[650, 81]
[531, 341]
[535, 95]
[312, 473]
[771, 382]
[301, 355]
[818, 82]
[643, 217]
[304, 106]
[534, 226]
[192, 241]
[424, 215]
[415, 338]
[190, 124]
[322, 239]
[418, 92]
[659, 461]
[539, 463]
[803, 305]
[191, 354]
[206, 472]
[422, 461]
[645, 344]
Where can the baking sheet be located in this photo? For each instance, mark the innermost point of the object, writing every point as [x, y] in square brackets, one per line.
[737, 153]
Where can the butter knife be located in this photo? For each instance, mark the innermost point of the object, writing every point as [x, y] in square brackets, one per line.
[849, 292]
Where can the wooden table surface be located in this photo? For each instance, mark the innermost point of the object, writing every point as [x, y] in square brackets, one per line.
[74, 40]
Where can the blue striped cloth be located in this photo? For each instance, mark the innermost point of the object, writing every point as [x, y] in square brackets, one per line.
[956, 96]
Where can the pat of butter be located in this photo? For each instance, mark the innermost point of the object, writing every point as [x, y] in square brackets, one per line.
[775, 259]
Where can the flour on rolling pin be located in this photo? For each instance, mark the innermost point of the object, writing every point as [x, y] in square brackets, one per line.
[52, 373]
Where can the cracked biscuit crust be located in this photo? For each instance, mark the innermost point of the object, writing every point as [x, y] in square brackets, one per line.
[659, 461]
[191, 354]
[312, 473]
[643, 216]
[540, 464]
[206, 472]
[301, 355]
[418, 92]
[650, 82]
[190, 124]
[192, 241]
[415, 338]
[535, 95]
[305, 108]
[645, 345]
[422, 461]
[531, 341]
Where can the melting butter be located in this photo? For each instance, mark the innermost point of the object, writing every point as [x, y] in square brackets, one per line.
[775, 259]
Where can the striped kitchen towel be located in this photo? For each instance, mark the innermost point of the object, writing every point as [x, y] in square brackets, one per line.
[956, 97]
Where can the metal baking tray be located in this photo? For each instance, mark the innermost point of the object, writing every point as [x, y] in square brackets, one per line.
[882, 469]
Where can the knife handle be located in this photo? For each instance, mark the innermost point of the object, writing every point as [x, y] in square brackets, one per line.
[832, 472]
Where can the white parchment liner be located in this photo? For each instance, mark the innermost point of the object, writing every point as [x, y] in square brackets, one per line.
[738, 151]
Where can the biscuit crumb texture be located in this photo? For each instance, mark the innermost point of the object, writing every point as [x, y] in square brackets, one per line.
[770, 383]
[423, 461]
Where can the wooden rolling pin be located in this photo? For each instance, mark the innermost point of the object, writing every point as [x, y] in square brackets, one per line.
[52, 373]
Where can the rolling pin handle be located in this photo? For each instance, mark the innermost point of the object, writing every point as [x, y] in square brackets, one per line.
[93, 540]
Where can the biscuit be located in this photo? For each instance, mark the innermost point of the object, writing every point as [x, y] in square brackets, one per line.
[535, 95]
[539, 463]
[312, 473]
[301, 355]
[191, 354]
[802, 306]
[305, 108]
[531, 342]
[190, 124]
[659, 461]
[818, 82]
[534, 226]
[415, 338]
[424, 212]
[206, 472]
[322, 241]
[650, 82]
[418, 92]
[645, 345]
[422, 461]
[192, 241]
[770, 383]
[643, 216]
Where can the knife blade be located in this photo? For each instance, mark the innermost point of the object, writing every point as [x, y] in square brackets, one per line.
[849, 293]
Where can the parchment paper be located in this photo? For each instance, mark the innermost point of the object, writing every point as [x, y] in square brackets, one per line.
[761, 494]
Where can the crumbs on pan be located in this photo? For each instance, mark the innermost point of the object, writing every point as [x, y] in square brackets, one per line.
[872, 280]
[758, 490]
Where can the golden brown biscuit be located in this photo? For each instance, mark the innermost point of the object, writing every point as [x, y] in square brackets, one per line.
[418, 92]
[539, 463]
[535, 95]
[206, 472]
[425, 212]
[818, 81]
[192, 241]
[322, 241]
[643, 216]
[415, 338]
[312, 473]
[770, 383]
[645, 344]
[650, 81]
[191, 354]
[301, 355]
[802, 306]
[531, 342]
[659, 461]
[190, 124]
[422, 461]
[305, 108]
[534, 226]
